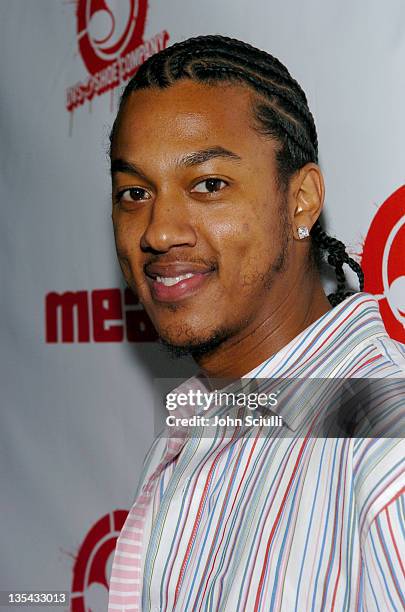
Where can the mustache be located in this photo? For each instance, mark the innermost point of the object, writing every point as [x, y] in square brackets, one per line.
[209, 262]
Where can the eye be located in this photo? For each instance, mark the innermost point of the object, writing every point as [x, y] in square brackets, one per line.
[209, 185]
[133, 194]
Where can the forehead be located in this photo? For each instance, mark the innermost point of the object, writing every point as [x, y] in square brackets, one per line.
[187, 112]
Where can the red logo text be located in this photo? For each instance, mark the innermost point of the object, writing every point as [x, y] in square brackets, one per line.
[110, 42]
[102, 315]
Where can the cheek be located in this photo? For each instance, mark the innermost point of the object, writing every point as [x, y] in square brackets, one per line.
[246, 249]
[127, 236]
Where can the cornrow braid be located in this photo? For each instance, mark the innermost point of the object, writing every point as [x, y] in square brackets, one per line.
[337, 256]
[293, 130]
[280, 110]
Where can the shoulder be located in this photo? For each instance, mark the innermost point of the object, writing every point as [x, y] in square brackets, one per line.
[379, 477]
[379, 458]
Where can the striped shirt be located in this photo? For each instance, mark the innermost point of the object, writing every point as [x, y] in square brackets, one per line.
[275, 523]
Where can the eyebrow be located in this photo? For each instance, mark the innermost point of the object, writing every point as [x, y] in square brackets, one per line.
[188, 160]
[204, 155]
[121, 165]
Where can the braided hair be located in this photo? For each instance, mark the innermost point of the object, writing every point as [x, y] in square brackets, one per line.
[281, 112]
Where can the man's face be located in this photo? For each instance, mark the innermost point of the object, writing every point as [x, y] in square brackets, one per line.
[200, 226]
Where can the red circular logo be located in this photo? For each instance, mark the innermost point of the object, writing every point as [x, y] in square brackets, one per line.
[107, 30]
[383, 262]
[94, 562]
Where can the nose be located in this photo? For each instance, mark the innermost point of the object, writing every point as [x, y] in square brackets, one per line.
[169, 225]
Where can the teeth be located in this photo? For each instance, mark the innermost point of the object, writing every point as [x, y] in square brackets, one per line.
[173, 280]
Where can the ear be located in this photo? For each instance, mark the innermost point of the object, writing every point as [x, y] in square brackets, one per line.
[307, 193]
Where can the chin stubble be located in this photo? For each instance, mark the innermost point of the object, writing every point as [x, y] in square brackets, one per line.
[196, 348]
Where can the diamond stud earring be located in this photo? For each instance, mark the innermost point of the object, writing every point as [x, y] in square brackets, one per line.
[303, 232]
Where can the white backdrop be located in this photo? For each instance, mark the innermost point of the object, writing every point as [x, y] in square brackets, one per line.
[76, 399]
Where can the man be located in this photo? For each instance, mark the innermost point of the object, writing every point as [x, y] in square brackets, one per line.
[216, 199]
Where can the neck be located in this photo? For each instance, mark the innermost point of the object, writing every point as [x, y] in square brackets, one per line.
[288, 313]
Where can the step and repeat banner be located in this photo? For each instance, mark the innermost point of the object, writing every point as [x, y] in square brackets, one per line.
[78, 353]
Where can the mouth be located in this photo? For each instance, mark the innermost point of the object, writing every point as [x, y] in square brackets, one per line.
[176, 282]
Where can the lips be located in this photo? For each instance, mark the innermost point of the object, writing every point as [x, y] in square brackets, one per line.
[176, 281]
